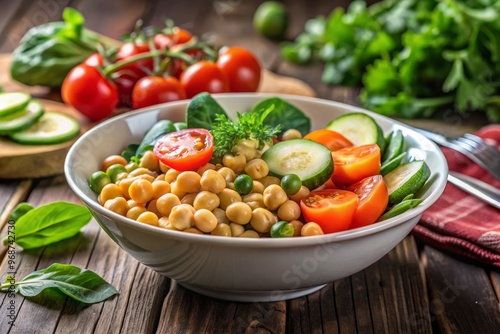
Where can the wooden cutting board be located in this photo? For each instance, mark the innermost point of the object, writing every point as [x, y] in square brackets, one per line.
[35, 161]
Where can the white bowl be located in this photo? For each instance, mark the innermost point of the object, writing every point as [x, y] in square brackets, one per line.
[246, 269]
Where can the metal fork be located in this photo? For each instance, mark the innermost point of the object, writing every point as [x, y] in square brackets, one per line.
[472, 146]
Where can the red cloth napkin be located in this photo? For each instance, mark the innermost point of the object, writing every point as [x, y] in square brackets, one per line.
[460, 223]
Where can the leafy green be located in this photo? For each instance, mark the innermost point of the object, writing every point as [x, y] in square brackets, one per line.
[411, 57]
[20, 210]
[49, 223]
[202, 111]
[81, 285]
[284, 114]
[158, 130]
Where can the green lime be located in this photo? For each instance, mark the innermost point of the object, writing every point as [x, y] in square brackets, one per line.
[243, 184]
[271, 20]
[406, 179]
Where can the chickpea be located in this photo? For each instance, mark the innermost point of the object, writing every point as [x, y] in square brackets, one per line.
[303, 191]
[182, 216]
[236, 163]
[148, 218]
[310, 229]
[205, 220]
[239, 213]
[230, 185]
[189, 199]
[131, 203]
[246, 147]
[166, 202]
[193, 230]
[212, 181]
[141, 191]
[289, 211]
[291, 134]
[131, 166]
[121, 176]
[254, 200]
[171, 175]
[108, 192]
[269, 180]
[163, 168]
[160, 188]
[257, 169]
[262, 220]
[227, 173]
[152, 207]
[118, 205]
[174, 189]
[274, 196]
[297, 226]
[206, 200]
[258, 187]
[222, 230]
[142, 171]
[188, 182]
[135, 212]
[150, 161]
[165, 223]
[204, 168]
[125, 183]
[220, 215]
[160, 177]
[236, 229]
[228, 196]
[113, 159]
[249, 234]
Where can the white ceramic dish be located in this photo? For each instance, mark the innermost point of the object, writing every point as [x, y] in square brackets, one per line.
[245, 269]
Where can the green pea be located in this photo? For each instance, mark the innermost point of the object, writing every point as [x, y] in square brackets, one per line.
[98, 180]
[114, 170]
[282, 229]
[291, 183]
[243, 184]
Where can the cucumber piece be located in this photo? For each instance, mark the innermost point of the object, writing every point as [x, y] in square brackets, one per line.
[392, 164]
[12, 102]
[395, 146]
[21, 119]
[309, 160]
[359, 128]
[51, 128]
[406, 179]
[158, 130]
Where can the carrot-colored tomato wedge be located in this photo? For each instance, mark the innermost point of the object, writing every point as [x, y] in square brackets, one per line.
[331, 139]
[332, 209]
[353, 164]
[185, 150]
[373, 199]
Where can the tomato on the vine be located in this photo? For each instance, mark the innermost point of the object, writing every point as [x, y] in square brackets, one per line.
[94, 60]
[178, 36]
[153, 90]
[140, 67]
[373, 199]
[185, 150]
[204, 76]
[241, 68]
[88, 91]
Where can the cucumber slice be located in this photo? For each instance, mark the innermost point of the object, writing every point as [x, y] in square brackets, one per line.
[311, 161]
[12, 102]
[394, 147]
[51, 128]
[21, 119]
[392, 164]
[406, 179]
[359, 128]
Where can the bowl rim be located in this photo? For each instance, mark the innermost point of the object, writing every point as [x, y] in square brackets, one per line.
[260, 242]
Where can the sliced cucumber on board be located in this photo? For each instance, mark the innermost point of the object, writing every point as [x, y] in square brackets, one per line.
[406, 179]
[12, 102]
[22, 119]
[51, 128]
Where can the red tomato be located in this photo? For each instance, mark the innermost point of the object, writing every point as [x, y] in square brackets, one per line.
[352, 164]
[331, 139]
[204, 76]
[129, 49]
[89, 92]
[185, 150]
[373, 199]
[177, 66]
[178, 36]
[94, 60]
[332, 209]
[125, 83]
[153, 90]
[241, 68]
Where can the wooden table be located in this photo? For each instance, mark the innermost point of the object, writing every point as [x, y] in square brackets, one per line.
[414, 289]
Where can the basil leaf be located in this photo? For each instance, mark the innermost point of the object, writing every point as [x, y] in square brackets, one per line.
[80, 284]
[50, 223]
[20, 210]
[202, 111]
[284, 114]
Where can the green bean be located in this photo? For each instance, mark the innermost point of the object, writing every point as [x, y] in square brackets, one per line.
[401, 207]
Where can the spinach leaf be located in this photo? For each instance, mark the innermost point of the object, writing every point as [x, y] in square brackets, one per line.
[50, 223]
[284, 114]
[82, 285]
[157, 131]
[202, 111]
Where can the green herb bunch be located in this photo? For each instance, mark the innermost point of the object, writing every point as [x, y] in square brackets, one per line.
[412, 57]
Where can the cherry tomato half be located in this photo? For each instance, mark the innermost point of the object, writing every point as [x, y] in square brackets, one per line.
[331, 139]
[373, 199]
[153, 90]
[332, 209]
[89, 92]
[352, 164]
[241, 68]
[204, 76]
[185, 150]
